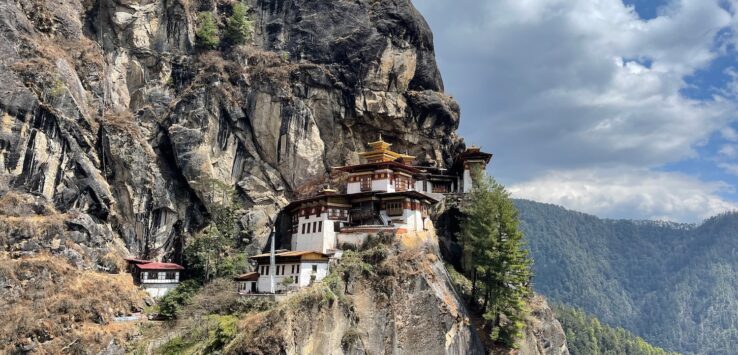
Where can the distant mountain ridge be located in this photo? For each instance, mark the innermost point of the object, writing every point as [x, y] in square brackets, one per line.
[673, 284]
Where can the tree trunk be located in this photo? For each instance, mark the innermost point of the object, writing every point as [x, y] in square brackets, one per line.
[472, 297]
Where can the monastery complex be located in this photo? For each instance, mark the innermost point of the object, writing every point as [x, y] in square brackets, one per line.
[385, 193]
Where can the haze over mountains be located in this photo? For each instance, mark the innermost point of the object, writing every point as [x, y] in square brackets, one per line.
[673, 284]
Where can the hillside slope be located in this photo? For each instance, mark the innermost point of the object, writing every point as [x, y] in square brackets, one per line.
[586, 335]
[673, 284]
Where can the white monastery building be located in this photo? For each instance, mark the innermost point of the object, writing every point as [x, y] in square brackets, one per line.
[154, 277]
[291, 270]
[386, 192]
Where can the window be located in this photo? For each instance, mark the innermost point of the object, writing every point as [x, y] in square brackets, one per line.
[320, 226]
[292, 270]
[303, 228]
[425, 186]
[402, 183]
[298, 268]
[366, 183]
[171, 275]
[153, 275]
[315, 227]
[315, 268]
[394, 208]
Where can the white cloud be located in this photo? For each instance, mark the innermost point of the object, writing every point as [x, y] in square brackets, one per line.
[729, 134]
[728, 150]
[629, 193]
[545, 85]
[572, 85]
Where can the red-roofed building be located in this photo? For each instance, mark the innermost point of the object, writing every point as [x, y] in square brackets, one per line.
[155, 277]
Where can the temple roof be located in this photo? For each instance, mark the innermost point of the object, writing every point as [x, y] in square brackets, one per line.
[471, 153]
[378, 165]
[381, 153]
[292, 256]
[249, 276]
[348, 197]
[155, 265]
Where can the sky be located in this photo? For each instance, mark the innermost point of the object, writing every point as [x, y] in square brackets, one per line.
[619, 108]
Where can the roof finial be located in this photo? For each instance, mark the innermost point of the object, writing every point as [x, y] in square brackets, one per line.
[380, 137]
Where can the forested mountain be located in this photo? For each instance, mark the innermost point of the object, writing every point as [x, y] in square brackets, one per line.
[586, 335]
[675, 285]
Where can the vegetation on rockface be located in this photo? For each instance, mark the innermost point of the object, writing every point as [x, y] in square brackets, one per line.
[207, 31]
[495, 260]
[675, 285]
[239, 28]
[586, 335]
[206, 318]
[169, 305]
[214, 252]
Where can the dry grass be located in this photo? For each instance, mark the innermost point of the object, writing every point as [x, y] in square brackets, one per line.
[57, 306]
[124, 123]
[24, 217]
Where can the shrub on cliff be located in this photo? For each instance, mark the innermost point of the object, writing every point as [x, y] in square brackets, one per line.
[239, 28]
[207, 32]
[170, 304]
[214, 251]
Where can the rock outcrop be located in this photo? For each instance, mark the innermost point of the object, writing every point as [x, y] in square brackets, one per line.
[543, 333]
[388, 299]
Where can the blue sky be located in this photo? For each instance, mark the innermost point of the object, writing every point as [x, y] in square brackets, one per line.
[620, 108]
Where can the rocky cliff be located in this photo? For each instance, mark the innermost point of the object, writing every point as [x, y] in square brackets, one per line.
[108, 109]
[119, 135]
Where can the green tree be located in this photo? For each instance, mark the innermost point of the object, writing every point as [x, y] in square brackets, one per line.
[495, 259]
[213, 252]
[207, 32]
[170, 304]
[238, 27]
[586, 335]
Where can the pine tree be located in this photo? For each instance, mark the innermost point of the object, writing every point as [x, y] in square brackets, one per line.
[207, 32]
[495, 257]
[238, 27]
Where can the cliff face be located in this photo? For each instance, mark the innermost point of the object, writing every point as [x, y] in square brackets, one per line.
[108, 109]
[117, 135]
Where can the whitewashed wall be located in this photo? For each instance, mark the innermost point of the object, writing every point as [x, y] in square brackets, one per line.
[314, 241]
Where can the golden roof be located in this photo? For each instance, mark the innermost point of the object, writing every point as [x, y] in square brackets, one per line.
[381, 153]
